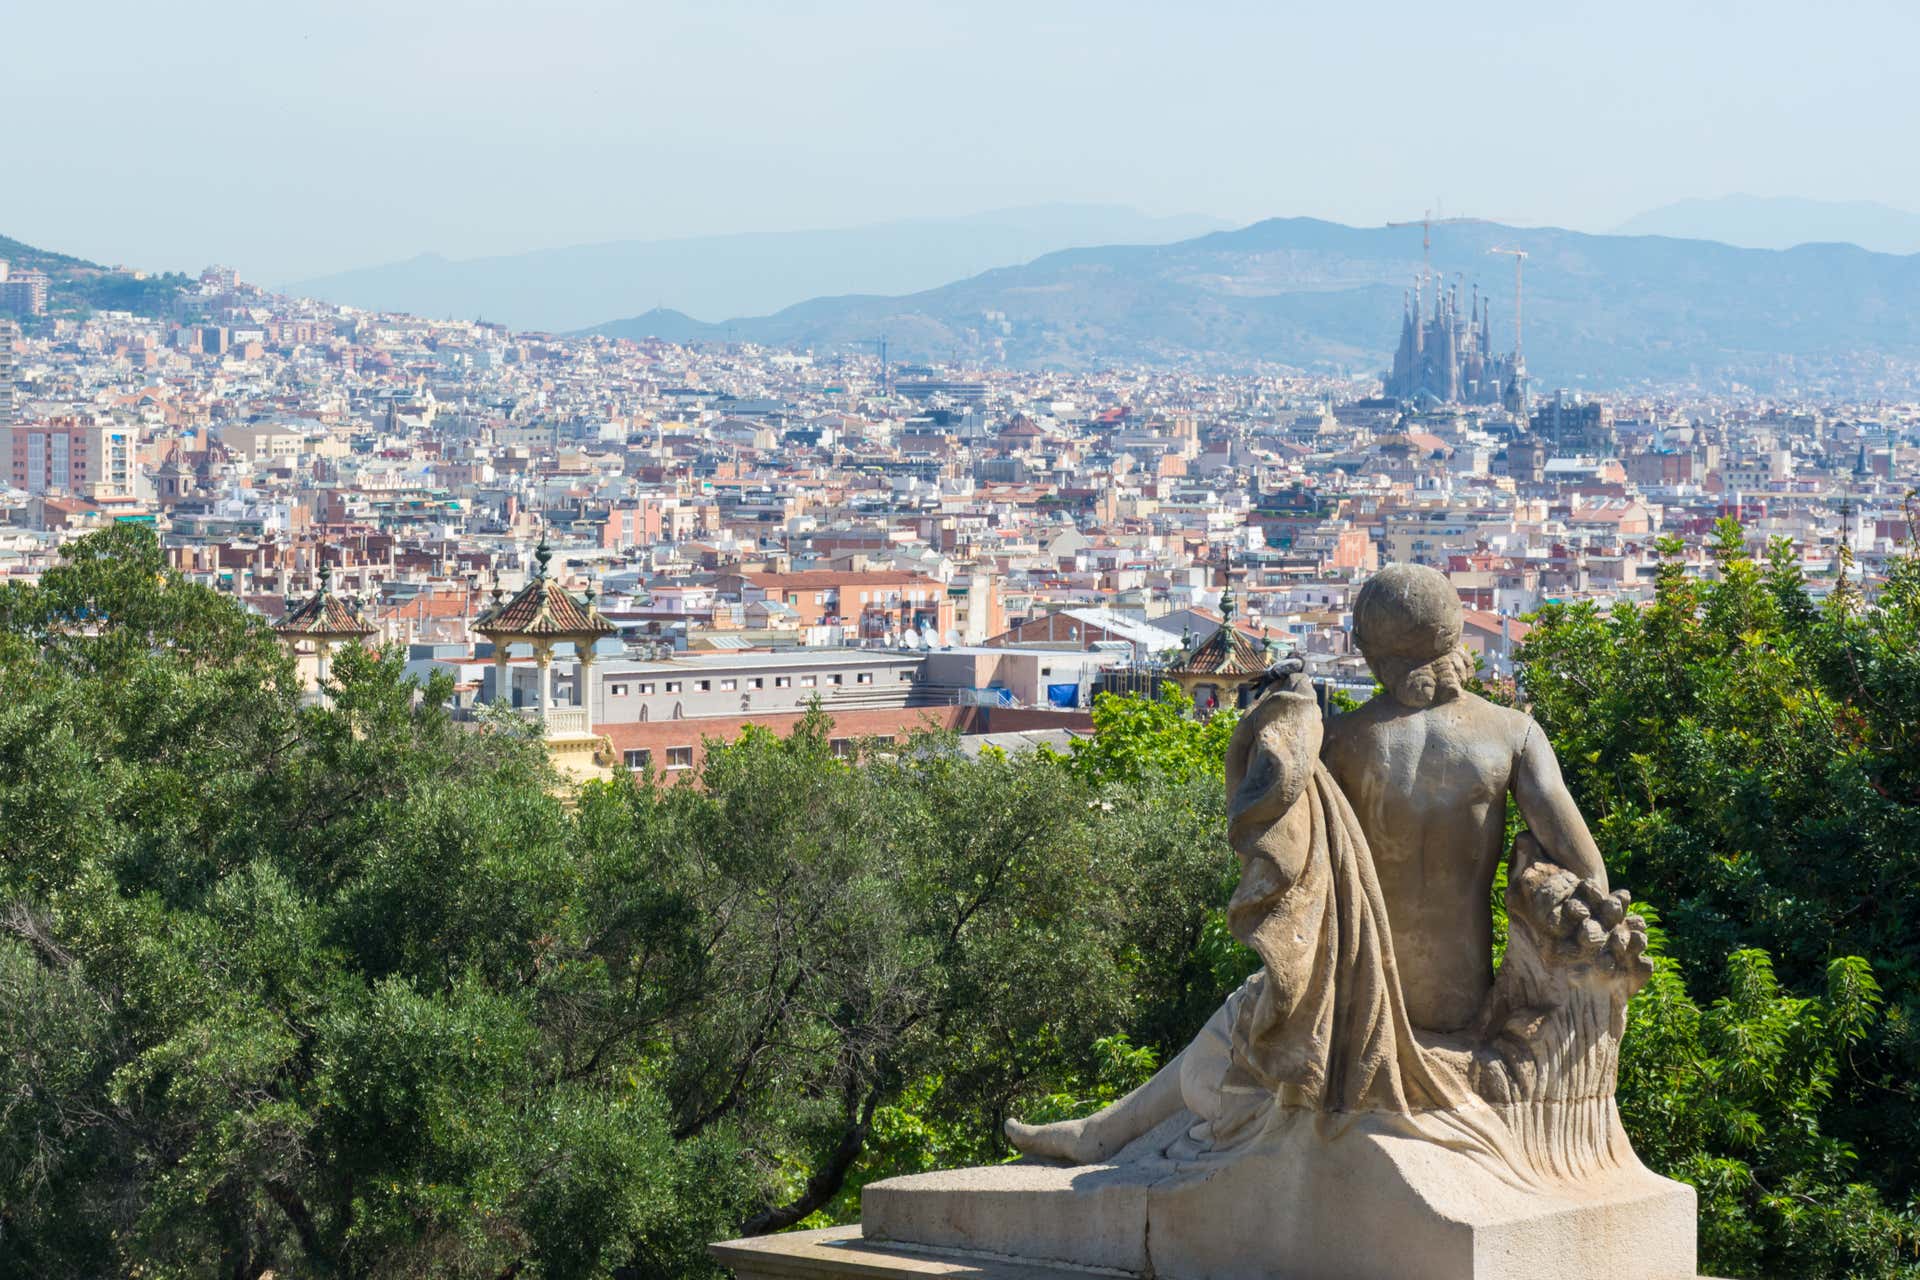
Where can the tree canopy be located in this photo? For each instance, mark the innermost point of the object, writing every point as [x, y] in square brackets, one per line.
[355, 989]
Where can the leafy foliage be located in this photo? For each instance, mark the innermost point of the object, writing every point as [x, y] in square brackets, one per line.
[1137, 739]
[350, 989]
[1750, 763]
[278, 973]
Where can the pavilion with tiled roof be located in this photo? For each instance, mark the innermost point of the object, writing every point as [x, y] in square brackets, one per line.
[322, 621]
[541, 615]
[1222, 669]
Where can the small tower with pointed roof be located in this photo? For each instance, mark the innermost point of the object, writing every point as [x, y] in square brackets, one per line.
[320, 622]
[1224, 667]
[542, 615]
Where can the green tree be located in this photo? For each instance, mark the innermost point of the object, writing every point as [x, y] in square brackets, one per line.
[277, 973]
[1750, 764]
[1136, 739]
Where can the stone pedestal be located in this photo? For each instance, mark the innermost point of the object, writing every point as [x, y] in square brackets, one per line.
[1369, 1204]
[842, 1253]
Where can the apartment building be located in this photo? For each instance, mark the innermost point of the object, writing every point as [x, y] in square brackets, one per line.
[79, 456]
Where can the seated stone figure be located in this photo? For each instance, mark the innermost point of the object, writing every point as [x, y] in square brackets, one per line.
[1366, 891]
[1375, 1102]
[1322, 1025]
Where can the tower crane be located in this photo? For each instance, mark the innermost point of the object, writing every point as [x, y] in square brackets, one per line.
[886, 372]
[1427, 222]
[1519, 257]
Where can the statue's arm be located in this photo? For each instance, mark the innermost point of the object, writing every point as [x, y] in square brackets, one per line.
[1549, 810]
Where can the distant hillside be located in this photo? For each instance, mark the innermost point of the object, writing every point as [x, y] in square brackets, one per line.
[76, 286]
[665, 324]
[19, 256]
[1600, 310]
[1780, 222]
[719, 276]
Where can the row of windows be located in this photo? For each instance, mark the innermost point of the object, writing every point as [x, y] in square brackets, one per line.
[682, 757]
[729, 684]
[889, 597]
[677, 758]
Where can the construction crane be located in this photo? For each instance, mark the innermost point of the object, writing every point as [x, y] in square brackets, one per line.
[1427, 222]
[886, 373]
[1519, 257]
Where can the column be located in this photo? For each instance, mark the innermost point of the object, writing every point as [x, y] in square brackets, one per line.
[583, 681]
[501, 693]
[543, 658]
[321, 649]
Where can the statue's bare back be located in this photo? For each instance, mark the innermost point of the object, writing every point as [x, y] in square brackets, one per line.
[1427, 766]
[1429, 787]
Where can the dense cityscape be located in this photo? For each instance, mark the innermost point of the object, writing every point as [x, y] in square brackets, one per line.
[744, 530]
[1007, 641]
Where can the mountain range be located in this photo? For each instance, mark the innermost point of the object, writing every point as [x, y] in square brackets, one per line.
[1612, 311]
[1781, 222]
[726, 275]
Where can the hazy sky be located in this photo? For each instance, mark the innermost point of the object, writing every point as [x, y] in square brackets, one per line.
[290, 139]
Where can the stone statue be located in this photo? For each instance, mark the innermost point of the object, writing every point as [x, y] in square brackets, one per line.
[1375, 1103]
[1366, 890]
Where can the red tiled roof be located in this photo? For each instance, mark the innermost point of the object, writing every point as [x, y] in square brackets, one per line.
[1227, 652]
[543, 608]
[1488, 622]
[323, 615]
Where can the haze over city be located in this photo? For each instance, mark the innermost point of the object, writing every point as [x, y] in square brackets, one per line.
[299, 140]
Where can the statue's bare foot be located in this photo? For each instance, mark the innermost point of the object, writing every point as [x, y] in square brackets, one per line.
[1073, 1141]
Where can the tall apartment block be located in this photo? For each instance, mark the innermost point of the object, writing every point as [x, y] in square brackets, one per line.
[23, 293]
[76, 455]
[9, 334]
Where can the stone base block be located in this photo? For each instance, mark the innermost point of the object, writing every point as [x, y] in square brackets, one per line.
[841, 1253]
[1372, 1204]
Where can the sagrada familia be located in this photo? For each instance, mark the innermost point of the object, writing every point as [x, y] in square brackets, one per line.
[1448, 356]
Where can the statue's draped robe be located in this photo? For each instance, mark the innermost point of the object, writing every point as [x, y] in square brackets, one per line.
[1329, 1019]
[1323, 1026]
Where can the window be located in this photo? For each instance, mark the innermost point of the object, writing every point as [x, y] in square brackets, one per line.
[673, 686]
[865, 677]
[755, 682]
[906, 677]
[781, 682]
[616, 691]
[703, 686]
[679, 757]
[639, 759]
[807, 682]
[646, 687]
[841, 747]
[835, 678]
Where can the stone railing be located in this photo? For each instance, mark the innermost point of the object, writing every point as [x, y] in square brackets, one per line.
[560, 719]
